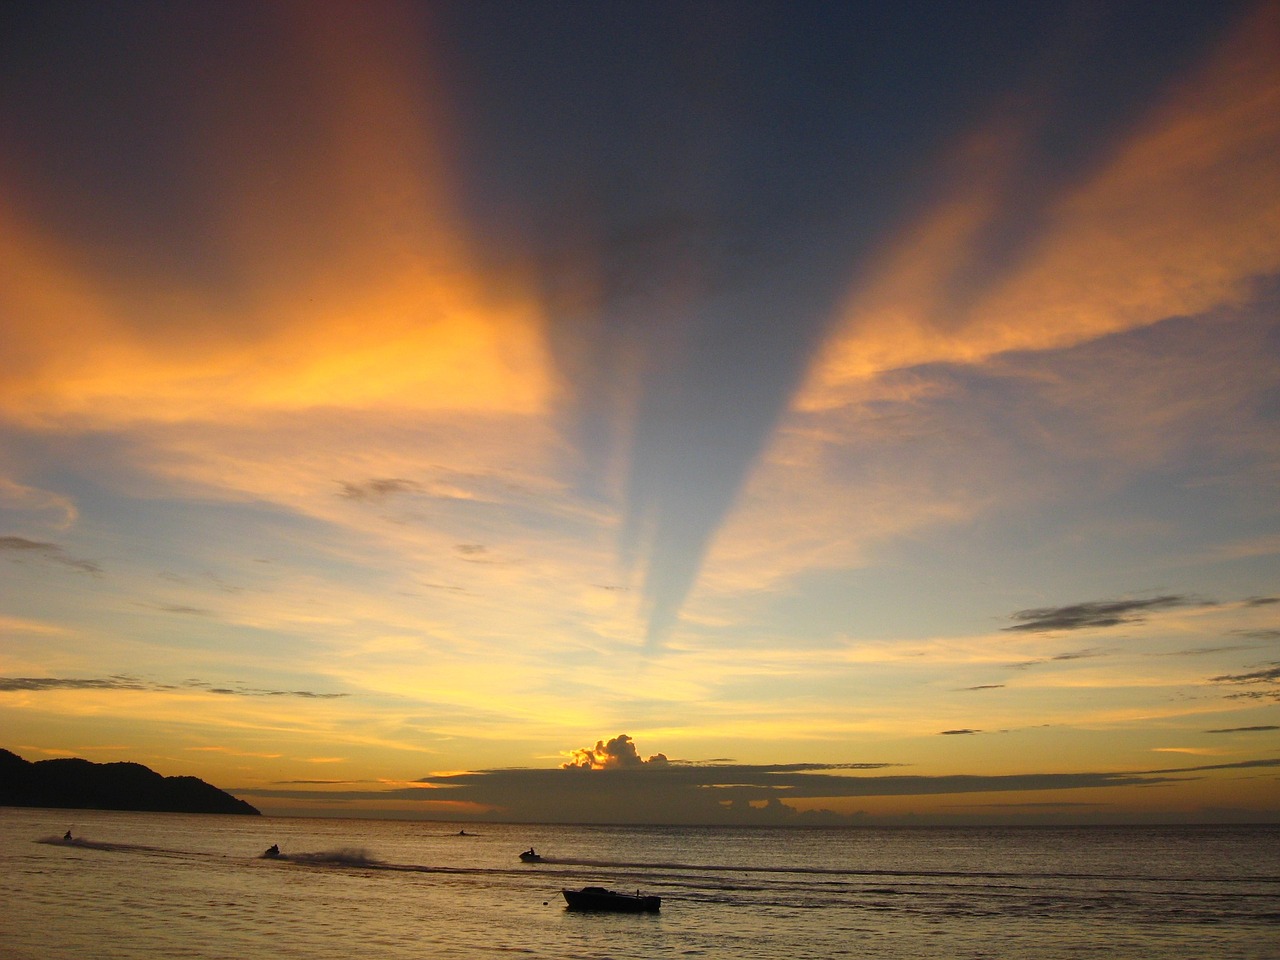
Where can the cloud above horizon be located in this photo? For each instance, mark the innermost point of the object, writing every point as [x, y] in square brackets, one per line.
[619, 752]
[684, 792]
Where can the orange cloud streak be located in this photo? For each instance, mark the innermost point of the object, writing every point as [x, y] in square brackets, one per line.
[1180, 221]
[353, 280]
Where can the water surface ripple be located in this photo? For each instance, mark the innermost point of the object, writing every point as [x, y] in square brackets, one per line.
[134, 886]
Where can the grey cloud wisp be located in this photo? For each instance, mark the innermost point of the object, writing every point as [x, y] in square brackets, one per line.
[1096, 613]
[42, 684]
[20, 546]
[674, 792]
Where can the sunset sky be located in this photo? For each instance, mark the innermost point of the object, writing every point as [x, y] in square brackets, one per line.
[647, 411]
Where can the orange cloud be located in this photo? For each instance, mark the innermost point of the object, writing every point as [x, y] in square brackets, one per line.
[351, 281]
[619, 752]
[1179, 222]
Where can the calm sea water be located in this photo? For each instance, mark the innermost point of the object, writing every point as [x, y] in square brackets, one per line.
[147, 886]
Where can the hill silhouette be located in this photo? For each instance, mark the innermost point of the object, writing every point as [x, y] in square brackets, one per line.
[86, 785]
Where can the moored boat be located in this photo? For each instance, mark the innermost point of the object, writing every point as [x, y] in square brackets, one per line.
[600, 899]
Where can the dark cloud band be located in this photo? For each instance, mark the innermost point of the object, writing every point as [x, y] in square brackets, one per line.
[39, 684]
[1097, 613]
[48, 551]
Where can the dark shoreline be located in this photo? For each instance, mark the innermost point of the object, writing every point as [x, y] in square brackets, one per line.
[74, 784]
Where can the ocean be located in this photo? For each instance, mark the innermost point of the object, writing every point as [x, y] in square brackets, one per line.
[144, 886]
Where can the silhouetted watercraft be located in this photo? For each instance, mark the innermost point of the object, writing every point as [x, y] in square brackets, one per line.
[598, 898]
[530, 857]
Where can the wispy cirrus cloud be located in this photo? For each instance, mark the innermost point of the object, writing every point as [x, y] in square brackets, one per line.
[241, 690]
[1264, 728]
[231, 752]
[1092, 614]
[733, 413]
[1144, 212]
[39, 684]
[377, 490]
[19, 547]
[122, 682]
[1264, 683]
[39, 503]
[185, 610]
[1268, 674]
[1212, 650]
[1088, 654]
[1272, 634]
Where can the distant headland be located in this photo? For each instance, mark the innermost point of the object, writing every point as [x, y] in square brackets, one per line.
[108, 786]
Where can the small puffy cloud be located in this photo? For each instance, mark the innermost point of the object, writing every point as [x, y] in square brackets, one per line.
[618, 753]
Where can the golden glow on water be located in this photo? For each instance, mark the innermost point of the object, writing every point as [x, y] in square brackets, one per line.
[147, 886]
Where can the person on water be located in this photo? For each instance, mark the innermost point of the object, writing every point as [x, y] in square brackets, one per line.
[272, 851]
[67, 835]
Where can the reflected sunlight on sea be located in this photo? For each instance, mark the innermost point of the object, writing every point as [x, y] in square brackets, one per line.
[142, 886]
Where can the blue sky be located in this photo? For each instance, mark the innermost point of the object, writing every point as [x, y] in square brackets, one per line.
[402, 397]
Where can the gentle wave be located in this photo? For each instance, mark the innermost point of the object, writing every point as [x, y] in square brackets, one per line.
[346, 857]
[84, 843]
[155, 885]
[363, 858]
[849, 872]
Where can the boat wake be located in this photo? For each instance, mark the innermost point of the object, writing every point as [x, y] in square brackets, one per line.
[344, 857]
[86, 844]
[767, 869]
[931, 892]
